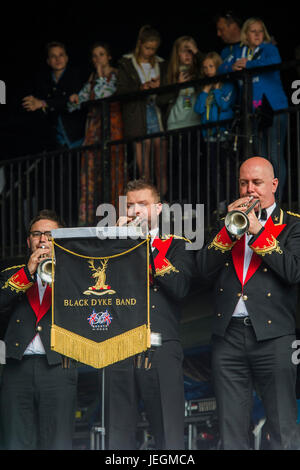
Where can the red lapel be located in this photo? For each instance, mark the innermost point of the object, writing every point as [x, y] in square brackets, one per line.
[253, 266]
[160, 260]
[34, 300]
[275, 230]
[162, 246]
[238, 252]
[46, 303]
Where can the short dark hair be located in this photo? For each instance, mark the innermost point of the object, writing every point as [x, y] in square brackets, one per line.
[229, 16]
[139, 184]
[102, 44]
[46, 214]
[52, 44]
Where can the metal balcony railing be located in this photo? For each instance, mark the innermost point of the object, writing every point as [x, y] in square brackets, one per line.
[186, 167]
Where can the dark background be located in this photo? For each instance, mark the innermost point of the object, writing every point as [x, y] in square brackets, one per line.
[26, 29]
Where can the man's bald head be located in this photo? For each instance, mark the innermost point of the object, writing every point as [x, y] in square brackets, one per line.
[257, 180]
[260, 162]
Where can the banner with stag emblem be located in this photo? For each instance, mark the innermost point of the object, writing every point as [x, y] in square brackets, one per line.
[100, 298]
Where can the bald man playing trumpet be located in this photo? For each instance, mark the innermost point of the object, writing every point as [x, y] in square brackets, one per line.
[255, 277]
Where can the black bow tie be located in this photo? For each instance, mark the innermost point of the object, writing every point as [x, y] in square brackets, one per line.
[263, 215]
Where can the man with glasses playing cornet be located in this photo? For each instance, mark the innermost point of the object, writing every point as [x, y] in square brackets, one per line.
[38, 390]
[255, 272]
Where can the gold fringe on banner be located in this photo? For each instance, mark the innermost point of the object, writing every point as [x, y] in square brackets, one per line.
[100, 355]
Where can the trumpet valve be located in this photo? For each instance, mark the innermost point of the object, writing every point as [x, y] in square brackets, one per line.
[135, 222]
[44, 255]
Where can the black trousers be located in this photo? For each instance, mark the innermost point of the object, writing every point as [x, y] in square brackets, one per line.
[37, 404]
[240, 363]
[158, 391]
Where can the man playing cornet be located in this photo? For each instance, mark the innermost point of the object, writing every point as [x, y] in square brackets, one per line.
[38, 389]
[161, 387]
[256, 182]
[255, 278]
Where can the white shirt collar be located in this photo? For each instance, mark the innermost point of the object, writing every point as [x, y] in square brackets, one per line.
[153, 234]
[41, 288]
[270, 209]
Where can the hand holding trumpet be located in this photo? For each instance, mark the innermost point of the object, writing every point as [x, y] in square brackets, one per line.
[129, 221]
[134, 221]
[36, 257]
[236, 223]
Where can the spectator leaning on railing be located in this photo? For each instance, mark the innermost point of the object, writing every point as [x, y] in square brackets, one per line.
[142, 70]
[51, 97]
[101, 84]
[257, 51]
[184, 65]
[228, 25]
[215, 103]
[177, 107]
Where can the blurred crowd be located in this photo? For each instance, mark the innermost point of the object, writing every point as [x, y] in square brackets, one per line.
[60, 96]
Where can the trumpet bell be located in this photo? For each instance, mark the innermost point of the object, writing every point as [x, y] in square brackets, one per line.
[237, 223]
[45, 270]
[136, 222]
[139, 223]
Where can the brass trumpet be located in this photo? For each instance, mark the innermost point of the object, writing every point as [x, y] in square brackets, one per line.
[139, 223]
[237, 222]
[135, 222]
[45, 268]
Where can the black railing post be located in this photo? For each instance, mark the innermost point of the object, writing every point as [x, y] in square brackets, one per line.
[247, 114]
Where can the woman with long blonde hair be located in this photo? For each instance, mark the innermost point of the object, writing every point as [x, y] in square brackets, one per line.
[184, 65]
[177, 62]
[177, 110]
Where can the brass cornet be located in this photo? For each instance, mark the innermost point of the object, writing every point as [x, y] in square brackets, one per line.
[45, 268]
[135, 222]
[237, 222]
[139, 223]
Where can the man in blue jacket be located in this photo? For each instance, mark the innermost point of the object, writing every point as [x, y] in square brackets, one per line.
[257, 50]
[228, 25]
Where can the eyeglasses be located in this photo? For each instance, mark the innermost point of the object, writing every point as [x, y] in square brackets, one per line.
[38, 234]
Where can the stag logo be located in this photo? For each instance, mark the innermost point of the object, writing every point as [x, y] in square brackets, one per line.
[100, 287]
